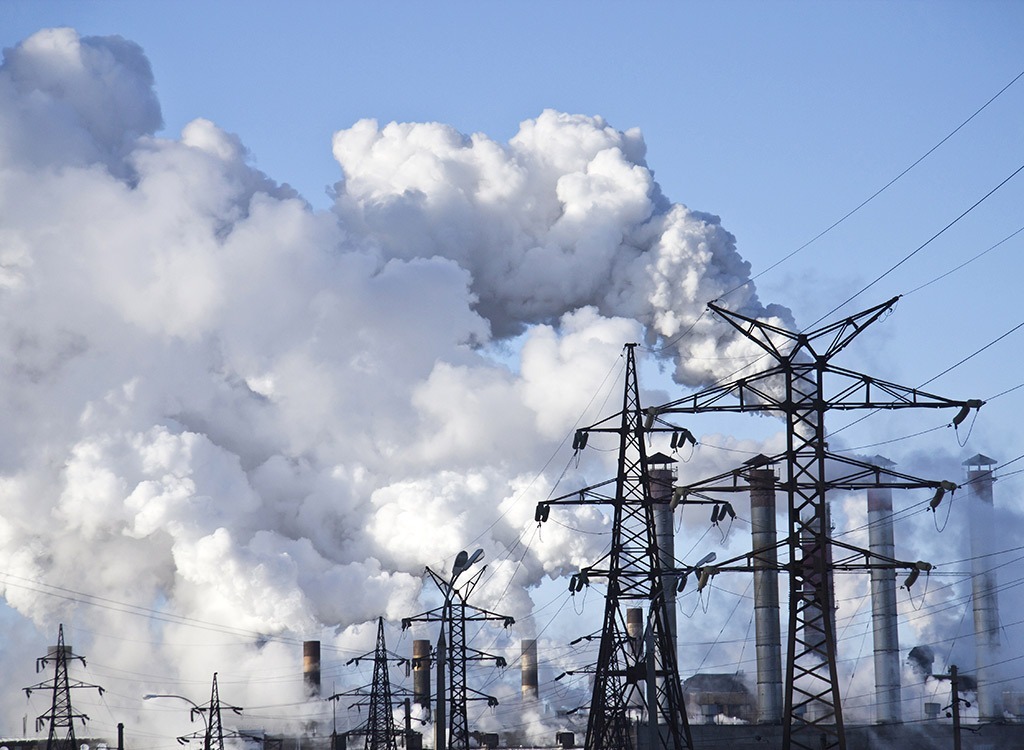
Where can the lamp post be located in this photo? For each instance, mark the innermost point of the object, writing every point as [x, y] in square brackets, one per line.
[213, 736]
[196, 709]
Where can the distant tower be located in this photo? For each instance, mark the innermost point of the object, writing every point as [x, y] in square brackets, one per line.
[421, 672]
[983, 583]
[311, 667]
[888, 709]
[764, 545]
[61, 716]
[528, 665]
[380, 725]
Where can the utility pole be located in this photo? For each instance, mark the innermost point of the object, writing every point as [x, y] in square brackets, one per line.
[453, 653]
[61, 716]
[794, 387]
[636, 577]
[954, 688]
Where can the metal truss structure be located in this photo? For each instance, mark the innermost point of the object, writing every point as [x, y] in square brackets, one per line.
[452, 652]
[213, 735]
[379, 729]
[802, 386]
[636, 577]
[61, 716]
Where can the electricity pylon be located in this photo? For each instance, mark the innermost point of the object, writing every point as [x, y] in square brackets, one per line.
[795, 387]
[61, 715]
[636, 577]
[213, 734]
[453, 653]
[379, 728]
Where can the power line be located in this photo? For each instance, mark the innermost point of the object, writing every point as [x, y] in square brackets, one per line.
[874, 195]
[922, 246]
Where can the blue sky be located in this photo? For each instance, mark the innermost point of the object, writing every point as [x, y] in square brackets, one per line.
[777, 117]
[780, 118]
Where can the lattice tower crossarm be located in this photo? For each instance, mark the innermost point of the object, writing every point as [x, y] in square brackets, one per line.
[796, 389]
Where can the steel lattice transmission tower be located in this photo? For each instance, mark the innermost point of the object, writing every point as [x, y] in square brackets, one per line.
[453, 653]
[636, 577]
[379, 728]
[381, 721]
[61, 716]
[213, 734]
[796, 388]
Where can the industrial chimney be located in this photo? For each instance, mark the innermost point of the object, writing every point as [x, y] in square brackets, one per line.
[983, 583]
[421, 673]
[764, 539]
[311, 667]
[883, 604]
[529, 670]
[663, 477]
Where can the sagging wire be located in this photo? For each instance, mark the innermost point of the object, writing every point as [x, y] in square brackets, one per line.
[919, 567]
[934, 503]
[718, 514]
[724, 624]
[579, 612]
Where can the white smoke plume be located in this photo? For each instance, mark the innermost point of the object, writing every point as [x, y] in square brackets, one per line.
[253, 418]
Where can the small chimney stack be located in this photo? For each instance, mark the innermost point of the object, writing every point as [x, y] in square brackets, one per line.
[528, 664]
[311, 667]
[421, 673]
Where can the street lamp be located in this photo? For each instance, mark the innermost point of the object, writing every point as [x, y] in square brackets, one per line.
[196, 709]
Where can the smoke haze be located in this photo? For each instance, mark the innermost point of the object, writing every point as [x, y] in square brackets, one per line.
[261, 421]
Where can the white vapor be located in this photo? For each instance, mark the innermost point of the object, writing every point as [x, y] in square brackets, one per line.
[223, 406]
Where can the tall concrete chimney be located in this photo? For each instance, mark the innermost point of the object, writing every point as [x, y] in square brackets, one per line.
[529, 670]
[983, 584]
[421, 673]
[888, 706]
[311, 667]
[663, 477]
[768, 642]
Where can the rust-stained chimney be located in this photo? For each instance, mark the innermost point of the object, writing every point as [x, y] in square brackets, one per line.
[421, 672]
[311, 667]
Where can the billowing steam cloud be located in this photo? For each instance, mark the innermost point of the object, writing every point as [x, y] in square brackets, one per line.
[226, 407]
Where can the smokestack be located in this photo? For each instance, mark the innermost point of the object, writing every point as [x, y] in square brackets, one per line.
[768, 642]
[983, 583]
[529, 668]
[663, 478]
[311, 667]
[883, 604]
[421, 673]
[635, 627]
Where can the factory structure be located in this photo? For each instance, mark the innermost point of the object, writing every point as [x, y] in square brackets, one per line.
[639, 700]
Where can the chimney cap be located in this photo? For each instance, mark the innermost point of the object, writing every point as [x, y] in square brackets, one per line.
[757, 461]
[980, 460]
[661, 459]
[885, 463]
